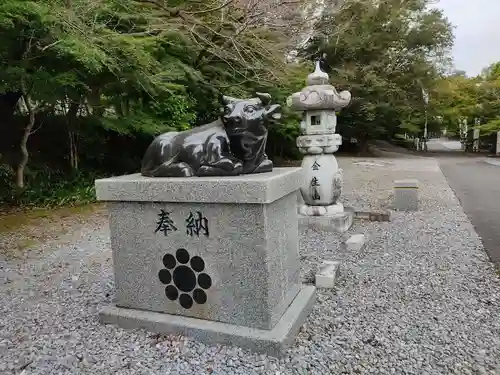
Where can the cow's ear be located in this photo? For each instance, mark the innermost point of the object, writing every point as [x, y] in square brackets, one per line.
[228, 100]
[265, 98]
[274, 112]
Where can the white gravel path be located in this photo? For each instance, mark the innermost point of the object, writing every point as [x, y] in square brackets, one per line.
[421, 298]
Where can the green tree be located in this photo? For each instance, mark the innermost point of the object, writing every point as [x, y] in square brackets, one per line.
[129, 66]
[458, 97]
[384, 52]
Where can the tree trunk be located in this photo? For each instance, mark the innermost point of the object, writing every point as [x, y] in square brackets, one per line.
[363, 146]
[94, 99]
[24, 142]
[72, 134]
[73, 150]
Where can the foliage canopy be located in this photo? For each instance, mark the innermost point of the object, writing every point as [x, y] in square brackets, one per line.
[100, 78]
[385, 52]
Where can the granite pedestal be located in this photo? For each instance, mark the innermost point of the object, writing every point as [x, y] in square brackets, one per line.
[218, 253]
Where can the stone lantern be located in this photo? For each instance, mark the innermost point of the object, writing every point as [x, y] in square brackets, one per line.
[323, 179]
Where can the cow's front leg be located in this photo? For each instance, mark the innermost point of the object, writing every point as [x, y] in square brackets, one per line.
[221, 162]
[222, 167]
[264, 166]
[173, 170]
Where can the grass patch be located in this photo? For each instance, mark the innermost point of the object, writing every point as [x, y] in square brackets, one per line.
[47, 188]
[11, 222]
[25, 244]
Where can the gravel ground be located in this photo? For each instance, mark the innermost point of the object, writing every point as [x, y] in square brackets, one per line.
[421, 298]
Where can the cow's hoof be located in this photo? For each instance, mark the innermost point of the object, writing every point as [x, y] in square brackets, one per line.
[238, 169]
[206, 171]
[173, 170]
[265, 166]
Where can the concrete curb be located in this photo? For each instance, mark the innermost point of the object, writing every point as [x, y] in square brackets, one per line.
[495, 162]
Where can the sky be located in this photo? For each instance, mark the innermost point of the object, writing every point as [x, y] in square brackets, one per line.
[477, 32]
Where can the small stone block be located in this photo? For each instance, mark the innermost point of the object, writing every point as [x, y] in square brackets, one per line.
[406, 195]
[373, 216]
[338, 223]
[363, 215]
[356, 242]
[271, 342]
[327, 274]
[410, 183]
[384, 217]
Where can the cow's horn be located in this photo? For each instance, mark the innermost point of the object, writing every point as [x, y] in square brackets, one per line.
[265, 98]
[228, 100]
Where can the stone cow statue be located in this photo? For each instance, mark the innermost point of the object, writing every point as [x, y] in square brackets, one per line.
[232, 145]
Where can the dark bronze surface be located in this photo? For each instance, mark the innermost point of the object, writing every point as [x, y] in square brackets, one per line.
[232, 145]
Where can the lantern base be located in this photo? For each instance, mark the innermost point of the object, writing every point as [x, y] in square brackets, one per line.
[338, 222]
[333, 209]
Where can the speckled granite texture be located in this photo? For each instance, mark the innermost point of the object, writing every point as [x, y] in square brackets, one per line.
[406, 195]
[240, 266]
[253, 188]
[271, 342]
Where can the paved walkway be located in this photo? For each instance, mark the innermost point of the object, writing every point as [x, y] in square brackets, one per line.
[442, 145]
[477, 186]
[491, 161]
[476, 182]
